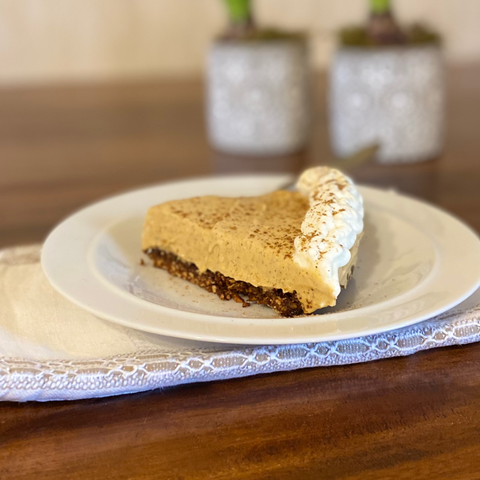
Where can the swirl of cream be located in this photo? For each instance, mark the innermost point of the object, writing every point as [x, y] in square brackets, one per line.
[331, 225]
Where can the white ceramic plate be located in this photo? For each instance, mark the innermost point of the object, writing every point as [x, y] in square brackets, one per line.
[415, 261]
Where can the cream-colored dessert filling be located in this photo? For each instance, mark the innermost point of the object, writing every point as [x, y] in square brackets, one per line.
[249, 239]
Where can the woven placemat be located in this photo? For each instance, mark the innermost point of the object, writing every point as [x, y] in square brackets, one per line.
[52, 350]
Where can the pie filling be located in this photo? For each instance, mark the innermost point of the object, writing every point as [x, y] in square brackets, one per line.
[286, 304]
[291, 251]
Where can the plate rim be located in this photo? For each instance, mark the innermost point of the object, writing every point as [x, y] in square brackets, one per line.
[48, 266]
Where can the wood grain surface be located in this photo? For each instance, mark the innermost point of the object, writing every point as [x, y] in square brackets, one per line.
[407, 418]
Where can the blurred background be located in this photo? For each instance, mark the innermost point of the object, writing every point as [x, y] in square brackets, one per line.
[100, 96]
[58, 41]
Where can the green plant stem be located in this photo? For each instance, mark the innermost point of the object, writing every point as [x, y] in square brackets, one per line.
[239, 11]
[241, 20]
[379, 7]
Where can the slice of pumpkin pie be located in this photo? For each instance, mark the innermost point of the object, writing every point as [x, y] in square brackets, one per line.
[290, 250]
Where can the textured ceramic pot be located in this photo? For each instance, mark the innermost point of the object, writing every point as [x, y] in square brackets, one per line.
[258, 97]
[393, 96]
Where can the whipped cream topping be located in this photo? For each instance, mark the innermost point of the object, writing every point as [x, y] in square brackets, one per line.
[331, 225]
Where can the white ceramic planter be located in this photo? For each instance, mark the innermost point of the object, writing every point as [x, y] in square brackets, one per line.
[258, 97]
[393, 96]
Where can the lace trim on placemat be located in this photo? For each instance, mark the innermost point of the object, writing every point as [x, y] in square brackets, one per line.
[22, 379]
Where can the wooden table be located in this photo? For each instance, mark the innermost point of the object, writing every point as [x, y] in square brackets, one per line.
[413, 417]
